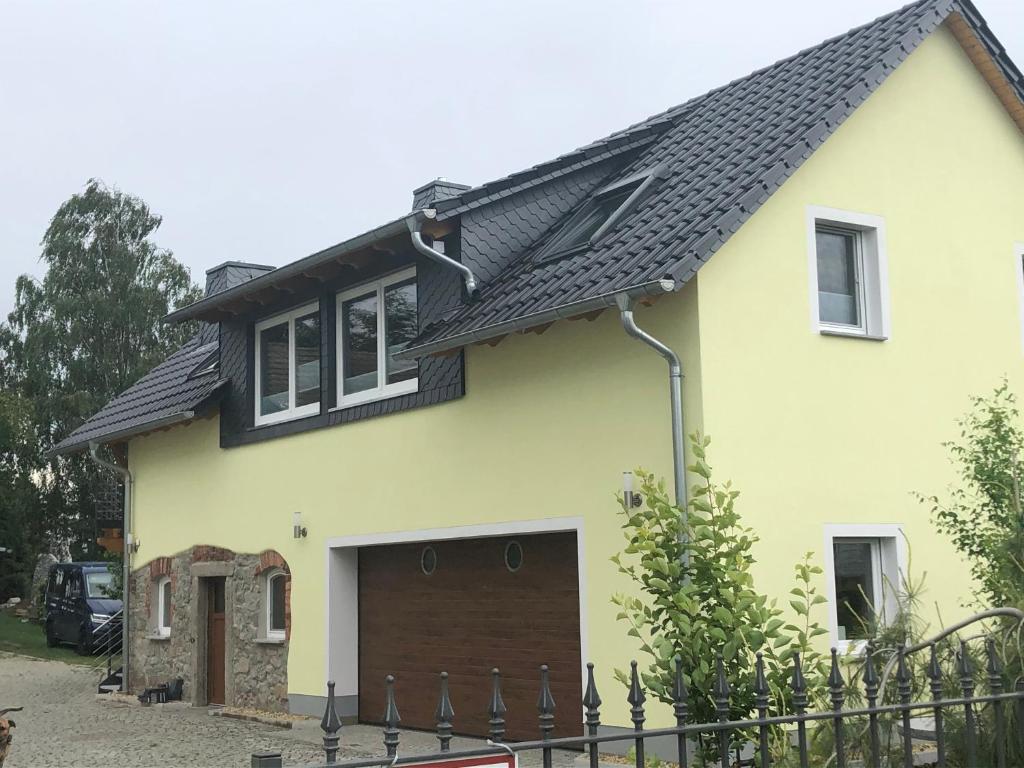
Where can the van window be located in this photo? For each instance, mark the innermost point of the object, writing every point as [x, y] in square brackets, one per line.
[57, 583]
[98, 583]
[74, 586]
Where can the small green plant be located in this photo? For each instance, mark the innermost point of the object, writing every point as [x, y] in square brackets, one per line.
[984, 511]
[698, 599]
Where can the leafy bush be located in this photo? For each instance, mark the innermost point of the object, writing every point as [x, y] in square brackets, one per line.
[983, 514]
[699, 599]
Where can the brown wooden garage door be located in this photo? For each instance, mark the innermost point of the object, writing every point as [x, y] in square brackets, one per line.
[470, 615]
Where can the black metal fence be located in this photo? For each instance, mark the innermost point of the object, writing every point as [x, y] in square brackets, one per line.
[871, 733]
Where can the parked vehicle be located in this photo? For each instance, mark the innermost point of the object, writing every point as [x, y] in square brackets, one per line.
[79, 606]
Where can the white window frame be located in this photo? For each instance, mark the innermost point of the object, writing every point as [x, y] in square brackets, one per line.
[382, 390]
[160, 628]
[291, 412]
[272, 634]
[889, 558]
[1018, 268]
[872, 271]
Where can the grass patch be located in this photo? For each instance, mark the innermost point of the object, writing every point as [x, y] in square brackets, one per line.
[28, 639]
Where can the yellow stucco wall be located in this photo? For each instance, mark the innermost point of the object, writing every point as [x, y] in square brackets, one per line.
[548, 425]
[811, 429]
[816, 429]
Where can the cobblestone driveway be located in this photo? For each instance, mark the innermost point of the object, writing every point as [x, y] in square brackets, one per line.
[63, 725]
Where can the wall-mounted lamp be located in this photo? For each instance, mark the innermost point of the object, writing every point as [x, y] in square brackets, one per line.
[133, 543]
[629, 497]
[298, 529]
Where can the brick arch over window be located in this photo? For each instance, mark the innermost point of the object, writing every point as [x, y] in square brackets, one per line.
[271, 561]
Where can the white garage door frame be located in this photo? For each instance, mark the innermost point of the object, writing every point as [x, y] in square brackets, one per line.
[341, 640]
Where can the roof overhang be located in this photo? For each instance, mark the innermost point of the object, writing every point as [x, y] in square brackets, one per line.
[356, 253]
[543, 318]
[195, 410]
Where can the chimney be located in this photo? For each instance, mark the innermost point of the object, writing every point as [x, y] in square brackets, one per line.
[232, 273]
[438, 189]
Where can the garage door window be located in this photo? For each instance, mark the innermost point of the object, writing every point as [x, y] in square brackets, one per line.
[428, 560]
[513, 556]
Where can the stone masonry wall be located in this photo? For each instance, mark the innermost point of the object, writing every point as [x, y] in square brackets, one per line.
[256, 668]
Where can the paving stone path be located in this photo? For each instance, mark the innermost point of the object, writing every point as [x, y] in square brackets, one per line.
[63, 725]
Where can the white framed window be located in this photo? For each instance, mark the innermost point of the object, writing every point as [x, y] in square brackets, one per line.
[849, 275]
[287, 369]
[275, 594]
[162, 623]
[376, 321]
[864, 566]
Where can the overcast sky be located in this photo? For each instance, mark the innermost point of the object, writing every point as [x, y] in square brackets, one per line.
[265, 131]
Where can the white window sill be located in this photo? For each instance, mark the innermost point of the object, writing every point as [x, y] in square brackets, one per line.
[158, 637]
[854, 648]
[851, 333]
[376, 395]
[283, 416]
[270, 641]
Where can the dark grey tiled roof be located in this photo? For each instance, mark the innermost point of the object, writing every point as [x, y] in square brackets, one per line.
[166, 394]
[724, 154]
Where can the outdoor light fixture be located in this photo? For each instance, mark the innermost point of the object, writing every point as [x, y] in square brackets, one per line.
[134, 543]
[298, 530]
[629, 497]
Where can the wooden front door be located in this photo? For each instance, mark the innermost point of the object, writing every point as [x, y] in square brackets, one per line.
[462, 609]
[215, 640]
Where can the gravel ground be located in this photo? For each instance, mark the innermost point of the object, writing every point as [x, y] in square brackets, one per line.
[63, 725]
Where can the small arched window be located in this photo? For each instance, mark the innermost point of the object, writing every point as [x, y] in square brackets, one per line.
[163, 606]
[275, 591]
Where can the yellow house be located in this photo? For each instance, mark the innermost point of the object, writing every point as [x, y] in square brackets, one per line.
[400, 455]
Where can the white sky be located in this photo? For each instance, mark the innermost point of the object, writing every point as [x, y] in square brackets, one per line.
[266, 131]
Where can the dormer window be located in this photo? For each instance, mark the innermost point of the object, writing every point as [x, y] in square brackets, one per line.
[596, 216]
[376, 321]
[288, 365]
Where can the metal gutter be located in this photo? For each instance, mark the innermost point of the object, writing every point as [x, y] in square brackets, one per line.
[561, 312]
[147, 426]
[391, 229]
[675, 383]
[414, 223]
[126, 565]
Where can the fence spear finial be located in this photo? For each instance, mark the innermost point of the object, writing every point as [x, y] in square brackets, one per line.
[391, 717]
[546, 704]
[330, 725]
[444, 714]
[496, 710]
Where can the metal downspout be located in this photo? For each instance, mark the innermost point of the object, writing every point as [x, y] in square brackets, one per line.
[414, 223]
[126, 476]
[675, 381]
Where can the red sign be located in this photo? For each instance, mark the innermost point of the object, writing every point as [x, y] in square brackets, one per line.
[491, 761]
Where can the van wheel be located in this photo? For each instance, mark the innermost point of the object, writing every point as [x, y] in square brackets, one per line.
[84, 646]
[51, 638]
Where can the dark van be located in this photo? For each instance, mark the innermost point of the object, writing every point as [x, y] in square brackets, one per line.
[78, 608]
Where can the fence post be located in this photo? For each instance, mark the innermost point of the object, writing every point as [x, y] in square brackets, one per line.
[679, 707]
[871, 683]
[835, 689]
[995, 687]
[636, 699]
[330, 725]
[721, 694]
[391, 718]
[444, 714]
[799, 686]
[935, 678]
[761, 693]
[903, 690]
[967, 687]
[496, 710]
[592, 702]
[546, 710]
